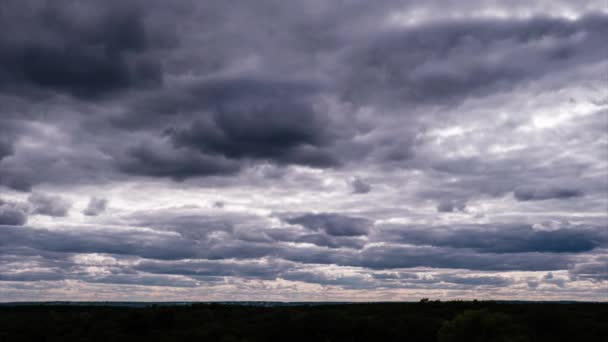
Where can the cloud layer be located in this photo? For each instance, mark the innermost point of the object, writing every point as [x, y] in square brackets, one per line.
[312, 151]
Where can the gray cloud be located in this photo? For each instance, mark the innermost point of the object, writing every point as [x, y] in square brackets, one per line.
[493, 110]
[449, 62]
[267, 269]
[535, 193]
[12, 214]
[595, 269]
[322, 240]
[142, 279]
[96, 206]
[333, 224]
[359, 186]
[477, 281]
[6, 148]
[85, 51]
[49, 205]
[189, 224]
[227, 119]
[503, 238]
[160, 160]
[386, 257]
[228, 123]
[259, 120]
[31, 276]
[216, 241]
[449, 206]
[356, 281]
[126, 242]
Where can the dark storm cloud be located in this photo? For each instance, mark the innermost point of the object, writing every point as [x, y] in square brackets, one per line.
[203, 98]
[324, 240]
[6, 148]
[146, 244]
[359, 186]
[260, 118]
[211, 237]
[193, 272]
[449, 206]
[12, 217]
[86, 50]
[395, 256]
[9, 130]
[96, 206]
[321, 240]
[220, 126]
[341, 241]
[32, 276]
[496, 176]
[222, 118]
[540, 193]
[286, 135]
[49, 205]
[333, 224]
[202, 260]
[502, 238]
[163, 160]
[593, 268]
[62, 166]
[103, 93]
[188, 222]
[442, 62]
[189, 272]
[12, 214]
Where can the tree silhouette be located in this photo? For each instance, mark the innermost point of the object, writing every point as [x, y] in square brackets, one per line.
[481, 326]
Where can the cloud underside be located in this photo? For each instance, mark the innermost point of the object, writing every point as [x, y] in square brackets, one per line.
[354, 146]
[202, 248]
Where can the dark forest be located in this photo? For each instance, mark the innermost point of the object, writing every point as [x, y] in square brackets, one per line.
[422, 321]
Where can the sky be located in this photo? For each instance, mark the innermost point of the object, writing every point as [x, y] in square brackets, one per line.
[303, 150]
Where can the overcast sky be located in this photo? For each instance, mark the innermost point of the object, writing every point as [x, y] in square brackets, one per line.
[303, 150]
